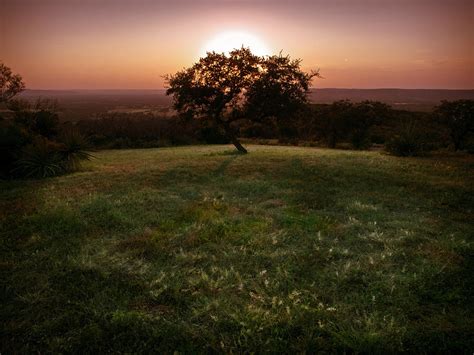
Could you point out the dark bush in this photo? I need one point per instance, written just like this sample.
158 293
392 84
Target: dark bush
362 117
13 138
46 123
74 148
211 134
138 130
458 118
361 140
40 159
408 141
34 144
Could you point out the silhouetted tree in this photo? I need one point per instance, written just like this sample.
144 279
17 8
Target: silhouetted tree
239 86
10 84
458 117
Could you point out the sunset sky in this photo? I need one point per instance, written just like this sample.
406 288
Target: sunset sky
119 44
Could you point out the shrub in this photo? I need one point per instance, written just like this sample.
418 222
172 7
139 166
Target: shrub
138 130
211 134
74 149
363 116
458 118
361 140
31 145
409 141
40 160
46 123
12 139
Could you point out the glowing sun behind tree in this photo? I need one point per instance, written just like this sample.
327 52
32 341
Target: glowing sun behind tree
225 42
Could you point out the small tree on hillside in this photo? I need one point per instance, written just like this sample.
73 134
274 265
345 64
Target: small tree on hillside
458 117
10 84
240 86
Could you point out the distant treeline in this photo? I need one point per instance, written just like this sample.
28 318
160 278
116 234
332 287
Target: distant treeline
342 124
142 130
34 142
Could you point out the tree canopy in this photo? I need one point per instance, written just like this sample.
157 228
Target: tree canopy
458 117
239 86
10 84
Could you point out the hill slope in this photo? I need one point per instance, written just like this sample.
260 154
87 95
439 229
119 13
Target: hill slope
198 249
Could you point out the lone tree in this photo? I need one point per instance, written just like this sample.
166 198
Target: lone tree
458 117
239 86
10 84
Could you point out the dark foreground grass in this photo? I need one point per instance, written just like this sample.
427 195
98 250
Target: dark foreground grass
281 250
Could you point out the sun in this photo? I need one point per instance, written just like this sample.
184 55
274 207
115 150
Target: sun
227 41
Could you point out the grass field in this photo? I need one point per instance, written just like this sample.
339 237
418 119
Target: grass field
281 250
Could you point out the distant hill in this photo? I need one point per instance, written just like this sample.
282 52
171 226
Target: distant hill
83 104
409 99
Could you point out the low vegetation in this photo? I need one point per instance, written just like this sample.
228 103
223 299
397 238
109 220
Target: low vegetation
35 144
197 249
221 99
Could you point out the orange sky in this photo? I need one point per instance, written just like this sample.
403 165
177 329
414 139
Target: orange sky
92 44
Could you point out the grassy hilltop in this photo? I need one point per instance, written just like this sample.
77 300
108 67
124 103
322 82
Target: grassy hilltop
283 249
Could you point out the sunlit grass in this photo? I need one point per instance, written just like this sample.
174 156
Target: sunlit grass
283 249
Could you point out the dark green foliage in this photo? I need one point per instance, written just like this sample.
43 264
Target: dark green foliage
46 123
458 118
331 121
13 138
211 134
74 149
137 130
344 120
361 117
409 140
29 144
344 124
35 145
40 118
41 159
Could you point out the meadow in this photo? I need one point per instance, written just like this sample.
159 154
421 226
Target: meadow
199 249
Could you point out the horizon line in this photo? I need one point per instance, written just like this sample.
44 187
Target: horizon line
311 88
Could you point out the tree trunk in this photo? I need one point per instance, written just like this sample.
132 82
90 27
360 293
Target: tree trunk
235 141
237 144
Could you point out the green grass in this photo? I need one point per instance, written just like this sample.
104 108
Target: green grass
198 249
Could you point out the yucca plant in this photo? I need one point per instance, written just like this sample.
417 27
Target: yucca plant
39 160
74 149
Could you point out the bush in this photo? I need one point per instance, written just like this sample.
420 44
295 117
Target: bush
33 144
210 134
12 139
409 141
361 140
138 130
458 118
40 160
73 149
